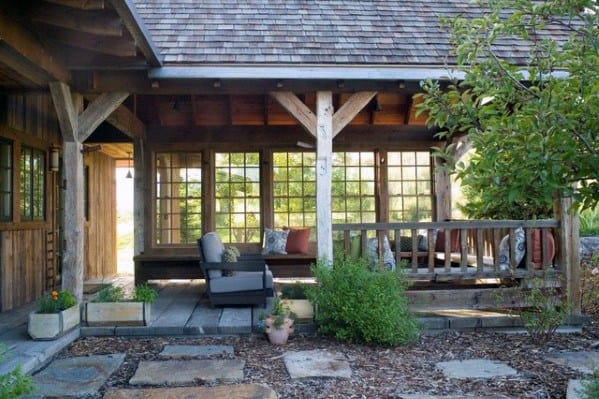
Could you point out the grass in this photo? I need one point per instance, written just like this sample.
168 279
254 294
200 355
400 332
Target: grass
589 222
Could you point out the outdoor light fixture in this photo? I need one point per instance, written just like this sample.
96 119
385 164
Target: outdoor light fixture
54 159
129 175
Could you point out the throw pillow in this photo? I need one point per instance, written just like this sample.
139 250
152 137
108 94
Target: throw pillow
275 241
423 239
504 249
537 248
405 244
373 253
298 240
454 241
230 255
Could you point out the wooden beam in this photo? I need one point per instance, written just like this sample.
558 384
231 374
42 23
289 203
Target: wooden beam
140 194
115 46
124 120
350 109
103 23
80 4
65 109
24 71
27 45
297 109
98 111
324 167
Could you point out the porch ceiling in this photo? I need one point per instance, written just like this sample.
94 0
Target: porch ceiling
44 41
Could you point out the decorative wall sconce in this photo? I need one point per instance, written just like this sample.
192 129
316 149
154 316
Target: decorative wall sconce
54 159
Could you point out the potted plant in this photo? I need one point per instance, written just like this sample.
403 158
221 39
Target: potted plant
57 313
278 324
111 308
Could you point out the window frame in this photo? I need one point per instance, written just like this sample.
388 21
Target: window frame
28 189
7 191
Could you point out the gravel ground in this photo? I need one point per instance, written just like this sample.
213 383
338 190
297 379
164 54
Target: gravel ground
377 372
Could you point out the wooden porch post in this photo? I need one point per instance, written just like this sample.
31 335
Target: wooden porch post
325 125
75 128
324 160
569 242
139 197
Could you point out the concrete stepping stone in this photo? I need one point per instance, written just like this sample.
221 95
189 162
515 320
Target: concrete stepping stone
77 376
241 391
427 396
316 363
179 351
174 372
575 390
476 368
585 362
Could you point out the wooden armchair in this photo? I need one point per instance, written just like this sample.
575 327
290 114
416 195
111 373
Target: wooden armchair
248 281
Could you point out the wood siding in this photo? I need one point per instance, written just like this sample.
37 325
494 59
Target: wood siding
100 228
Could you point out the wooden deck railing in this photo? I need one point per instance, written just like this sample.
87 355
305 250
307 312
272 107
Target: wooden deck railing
472 252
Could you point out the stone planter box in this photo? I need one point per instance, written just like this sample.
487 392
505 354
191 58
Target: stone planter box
49 326
301 307
116 314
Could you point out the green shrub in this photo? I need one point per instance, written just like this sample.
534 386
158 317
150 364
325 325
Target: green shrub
55 301
590 388
357 304
110 293
14 383
143 293
296 290
545 311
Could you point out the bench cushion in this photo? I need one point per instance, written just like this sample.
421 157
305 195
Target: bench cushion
212 251
241 281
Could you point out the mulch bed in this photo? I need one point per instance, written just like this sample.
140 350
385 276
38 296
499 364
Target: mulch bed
377 372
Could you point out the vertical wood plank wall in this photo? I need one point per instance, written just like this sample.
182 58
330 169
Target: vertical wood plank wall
30 120
100 229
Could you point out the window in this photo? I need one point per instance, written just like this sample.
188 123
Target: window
178 197
237 195
33 175
5 181
294 189
353 187
410 192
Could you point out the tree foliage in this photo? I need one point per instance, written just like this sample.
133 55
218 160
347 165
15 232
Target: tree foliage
531 112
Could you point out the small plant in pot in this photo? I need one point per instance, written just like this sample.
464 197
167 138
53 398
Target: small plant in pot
57 313
278 324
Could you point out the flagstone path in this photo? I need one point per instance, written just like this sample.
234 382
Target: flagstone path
189 364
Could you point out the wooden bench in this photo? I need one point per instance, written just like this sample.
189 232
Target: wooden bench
187 266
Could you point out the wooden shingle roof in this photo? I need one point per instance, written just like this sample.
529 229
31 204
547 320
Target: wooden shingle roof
302 31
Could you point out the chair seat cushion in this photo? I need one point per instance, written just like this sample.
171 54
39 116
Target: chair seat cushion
241 281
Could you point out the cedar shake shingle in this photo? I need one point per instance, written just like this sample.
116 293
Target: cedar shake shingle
308 31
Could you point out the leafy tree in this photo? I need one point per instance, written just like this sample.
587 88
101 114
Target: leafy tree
530 113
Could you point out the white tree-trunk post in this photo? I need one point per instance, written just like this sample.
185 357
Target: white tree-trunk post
324 160
324 126
75 127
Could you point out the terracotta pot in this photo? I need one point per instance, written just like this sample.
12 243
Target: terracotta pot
278 335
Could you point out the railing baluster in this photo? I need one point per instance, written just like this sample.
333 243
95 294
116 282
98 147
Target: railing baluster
463 250
431 250
414 250
480 265
529 248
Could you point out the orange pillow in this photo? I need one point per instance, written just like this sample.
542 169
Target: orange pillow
297 241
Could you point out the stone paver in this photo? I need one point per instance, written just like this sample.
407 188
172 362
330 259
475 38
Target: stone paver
427 396
179 351
316 363
77 376
242 391
585 362
476 368
574 390
173 372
